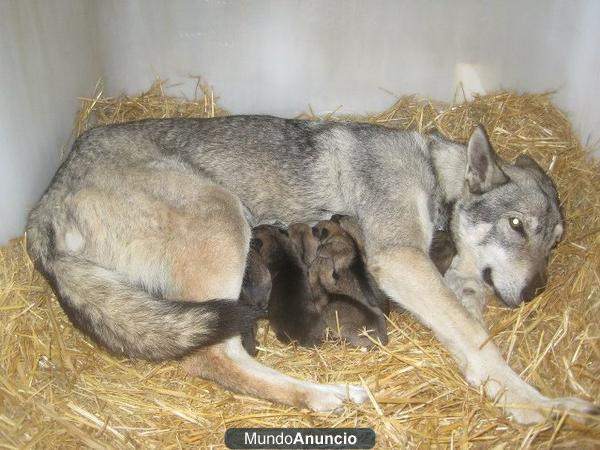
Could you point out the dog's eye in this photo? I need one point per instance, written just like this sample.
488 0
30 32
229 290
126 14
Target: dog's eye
335 275
517 225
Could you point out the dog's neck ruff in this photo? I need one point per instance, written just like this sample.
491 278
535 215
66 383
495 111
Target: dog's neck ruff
449 161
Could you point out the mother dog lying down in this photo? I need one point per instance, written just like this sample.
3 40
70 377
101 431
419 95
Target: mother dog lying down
145 229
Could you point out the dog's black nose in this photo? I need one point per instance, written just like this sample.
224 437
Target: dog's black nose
535 287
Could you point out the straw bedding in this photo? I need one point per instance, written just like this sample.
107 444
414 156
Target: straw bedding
58 390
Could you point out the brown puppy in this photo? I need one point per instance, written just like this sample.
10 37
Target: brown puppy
341 269
300 308
353 301
339 282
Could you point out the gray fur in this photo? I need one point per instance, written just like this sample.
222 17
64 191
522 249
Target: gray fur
128 194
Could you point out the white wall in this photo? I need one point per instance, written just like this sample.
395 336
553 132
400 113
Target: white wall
46 62
277 56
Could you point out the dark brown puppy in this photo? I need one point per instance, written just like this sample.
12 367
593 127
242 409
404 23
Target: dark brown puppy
256 290
292 312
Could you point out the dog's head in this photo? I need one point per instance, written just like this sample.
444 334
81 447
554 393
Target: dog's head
507 221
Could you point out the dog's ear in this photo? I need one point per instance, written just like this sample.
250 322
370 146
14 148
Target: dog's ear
483 172
527 162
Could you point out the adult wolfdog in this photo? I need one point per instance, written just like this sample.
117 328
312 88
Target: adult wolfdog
145 228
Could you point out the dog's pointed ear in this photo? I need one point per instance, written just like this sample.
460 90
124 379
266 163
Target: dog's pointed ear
483 172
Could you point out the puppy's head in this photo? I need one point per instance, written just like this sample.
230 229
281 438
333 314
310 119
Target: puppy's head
274 246
337 254
256 287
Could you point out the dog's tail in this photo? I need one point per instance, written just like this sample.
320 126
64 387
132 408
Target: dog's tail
127 319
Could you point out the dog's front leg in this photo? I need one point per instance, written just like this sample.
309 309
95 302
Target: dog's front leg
409 277
469 290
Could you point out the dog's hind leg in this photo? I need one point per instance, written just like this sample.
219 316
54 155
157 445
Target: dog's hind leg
230 365
227 363
409 277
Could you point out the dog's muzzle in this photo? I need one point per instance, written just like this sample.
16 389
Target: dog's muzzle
534 287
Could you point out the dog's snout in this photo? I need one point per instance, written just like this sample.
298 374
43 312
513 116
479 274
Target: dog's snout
535 287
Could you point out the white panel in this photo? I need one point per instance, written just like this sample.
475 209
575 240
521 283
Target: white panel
277 56
46 62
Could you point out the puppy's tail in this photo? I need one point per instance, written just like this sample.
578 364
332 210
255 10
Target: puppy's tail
127 319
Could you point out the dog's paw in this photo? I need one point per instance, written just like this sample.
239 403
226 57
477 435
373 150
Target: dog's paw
356 394
526 416
553 407
575 405
331 398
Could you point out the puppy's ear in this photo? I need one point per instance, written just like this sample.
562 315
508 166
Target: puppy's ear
320 232
256 244
483 172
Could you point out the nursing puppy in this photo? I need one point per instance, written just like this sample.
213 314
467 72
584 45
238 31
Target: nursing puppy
338 272
299 308
340 285
292 313
256 290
